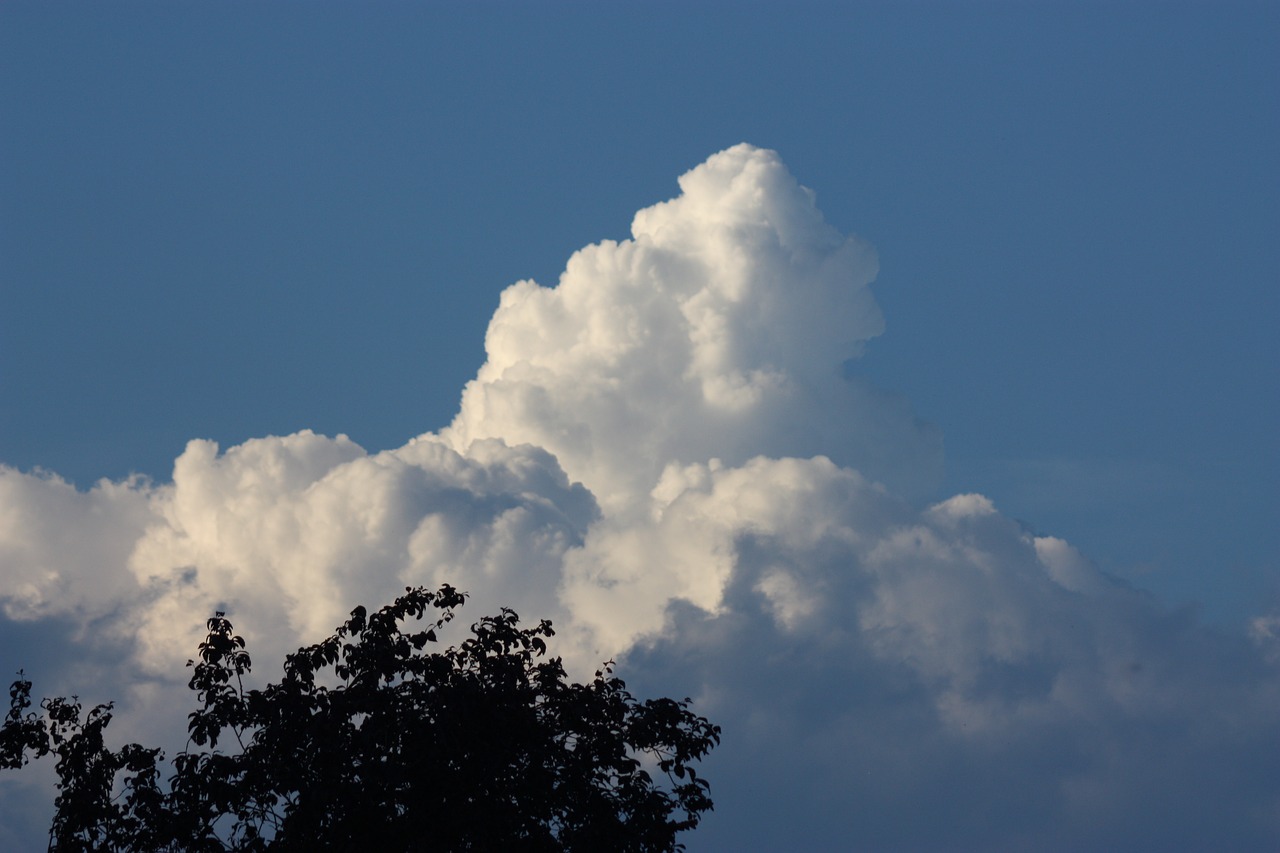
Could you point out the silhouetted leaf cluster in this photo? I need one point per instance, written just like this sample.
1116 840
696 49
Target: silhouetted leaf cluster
369 741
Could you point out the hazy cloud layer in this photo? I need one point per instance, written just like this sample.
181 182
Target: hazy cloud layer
664 455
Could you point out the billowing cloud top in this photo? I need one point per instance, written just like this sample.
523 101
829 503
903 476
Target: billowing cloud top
718 331
664 454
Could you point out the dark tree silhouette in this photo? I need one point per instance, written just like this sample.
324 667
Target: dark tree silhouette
371 742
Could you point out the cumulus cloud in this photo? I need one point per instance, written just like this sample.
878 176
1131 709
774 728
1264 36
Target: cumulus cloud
664 454
718 331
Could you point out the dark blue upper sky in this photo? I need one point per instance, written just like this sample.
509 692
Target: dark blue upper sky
231 220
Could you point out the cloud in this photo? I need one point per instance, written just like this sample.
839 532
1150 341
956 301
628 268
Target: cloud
59 546
718 331
665 454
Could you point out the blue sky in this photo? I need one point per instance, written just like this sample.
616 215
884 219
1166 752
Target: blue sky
230 221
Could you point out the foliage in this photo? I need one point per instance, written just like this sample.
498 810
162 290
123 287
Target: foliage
370 742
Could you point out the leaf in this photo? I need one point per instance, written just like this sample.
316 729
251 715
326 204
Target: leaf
369 738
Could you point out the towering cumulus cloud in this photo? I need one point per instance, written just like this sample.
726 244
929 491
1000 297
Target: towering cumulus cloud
718 331
665 454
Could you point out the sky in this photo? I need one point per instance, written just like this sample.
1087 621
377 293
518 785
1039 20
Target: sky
897 380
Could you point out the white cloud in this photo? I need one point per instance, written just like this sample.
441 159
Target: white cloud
663 455
62 550
291 532
719 331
